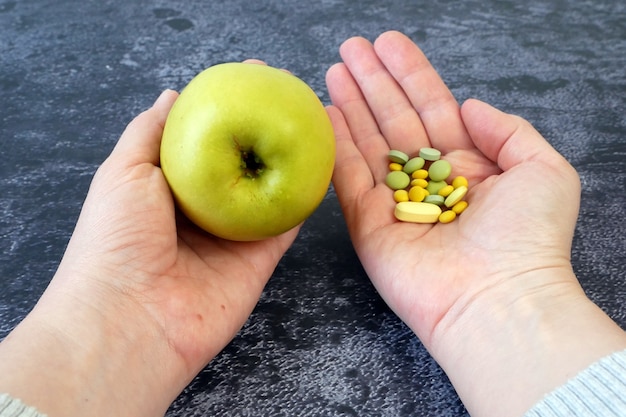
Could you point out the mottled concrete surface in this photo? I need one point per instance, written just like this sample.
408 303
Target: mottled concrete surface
321 342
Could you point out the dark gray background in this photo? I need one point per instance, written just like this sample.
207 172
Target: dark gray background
321 342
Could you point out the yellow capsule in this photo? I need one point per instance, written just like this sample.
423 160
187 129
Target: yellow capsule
400 195
419 182
394 166
415 212
447 216
460 207
456 196
420 174
445 191
459 182
417 194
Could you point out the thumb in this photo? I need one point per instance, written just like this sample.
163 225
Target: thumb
515 145
504 138
141 140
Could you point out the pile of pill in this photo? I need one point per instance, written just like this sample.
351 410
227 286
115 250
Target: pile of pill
421 189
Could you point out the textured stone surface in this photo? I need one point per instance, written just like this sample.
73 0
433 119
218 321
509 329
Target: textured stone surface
321 342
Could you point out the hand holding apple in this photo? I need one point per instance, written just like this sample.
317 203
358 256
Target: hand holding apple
248 151
142 299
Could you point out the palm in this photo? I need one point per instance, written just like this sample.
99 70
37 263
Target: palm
390 97
195 289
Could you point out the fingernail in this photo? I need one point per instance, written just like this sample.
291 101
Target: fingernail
163 98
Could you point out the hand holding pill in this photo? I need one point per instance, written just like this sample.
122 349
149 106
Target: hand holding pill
391 107
445 276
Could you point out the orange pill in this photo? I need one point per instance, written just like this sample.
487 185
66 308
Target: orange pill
460 207
417 194
445 191
400 195
460 181
421 174
419 182
394 166
447 216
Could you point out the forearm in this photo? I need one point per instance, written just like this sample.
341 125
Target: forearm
71 360
505 354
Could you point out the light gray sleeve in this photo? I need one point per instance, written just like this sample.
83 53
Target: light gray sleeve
598 391
12 407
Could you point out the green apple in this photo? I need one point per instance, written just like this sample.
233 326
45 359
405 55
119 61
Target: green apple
248 151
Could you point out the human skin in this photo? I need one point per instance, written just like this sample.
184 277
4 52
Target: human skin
141 301
492 295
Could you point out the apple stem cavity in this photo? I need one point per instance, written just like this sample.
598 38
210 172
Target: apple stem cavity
251 164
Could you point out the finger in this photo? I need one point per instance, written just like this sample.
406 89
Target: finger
259 62
351 175
505 139
141 140
396 118
254 61
365 206
361 127
437 108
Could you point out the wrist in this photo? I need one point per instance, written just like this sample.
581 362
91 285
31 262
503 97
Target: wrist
88 366
519 341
